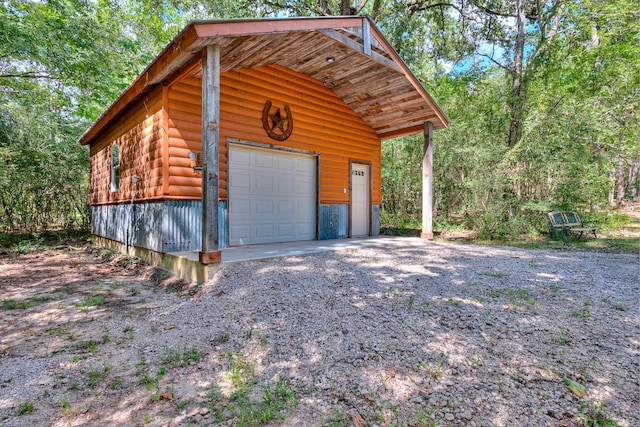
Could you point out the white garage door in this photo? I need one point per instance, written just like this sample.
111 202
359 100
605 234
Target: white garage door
271 196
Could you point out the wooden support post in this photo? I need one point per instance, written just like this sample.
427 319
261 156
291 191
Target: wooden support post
427 183
210 143
366 37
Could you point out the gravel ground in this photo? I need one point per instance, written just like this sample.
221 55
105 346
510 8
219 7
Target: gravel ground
425 334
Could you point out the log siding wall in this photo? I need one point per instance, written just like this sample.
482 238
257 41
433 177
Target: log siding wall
323 123
140 137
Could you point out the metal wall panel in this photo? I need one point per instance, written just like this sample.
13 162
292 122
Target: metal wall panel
182 225
375 220
334 221
135 225
169 226
222 225
146 228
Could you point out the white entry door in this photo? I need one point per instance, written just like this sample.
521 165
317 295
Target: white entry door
359 199
271 196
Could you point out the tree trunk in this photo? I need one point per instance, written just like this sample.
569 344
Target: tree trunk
633 181
621 182
518 85
324 7
375 13
612 189
345 7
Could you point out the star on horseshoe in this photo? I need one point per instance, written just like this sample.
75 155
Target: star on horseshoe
274 123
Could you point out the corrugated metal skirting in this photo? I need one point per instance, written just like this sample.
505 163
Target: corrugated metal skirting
182 227
135 225
334 221
169 226
375 220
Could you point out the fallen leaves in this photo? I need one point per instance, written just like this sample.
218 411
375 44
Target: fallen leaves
575 388
357 420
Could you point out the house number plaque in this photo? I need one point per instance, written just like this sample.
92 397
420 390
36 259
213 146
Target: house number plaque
277 125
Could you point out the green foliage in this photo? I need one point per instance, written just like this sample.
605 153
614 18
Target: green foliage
91 301
25 407
592 415
95 375
62 62
580 124
188 355
607 219
337 419
401 181
25 302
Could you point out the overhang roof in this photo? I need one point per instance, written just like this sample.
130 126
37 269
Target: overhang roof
348 54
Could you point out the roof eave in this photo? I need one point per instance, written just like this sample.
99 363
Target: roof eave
410 76
144 81
186 43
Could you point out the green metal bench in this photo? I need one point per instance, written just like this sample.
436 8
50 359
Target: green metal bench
565 223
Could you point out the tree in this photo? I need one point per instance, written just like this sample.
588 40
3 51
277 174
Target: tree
61 63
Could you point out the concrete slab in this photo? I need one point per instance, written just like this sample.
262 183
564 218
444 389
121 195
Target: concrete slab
275 250
187 264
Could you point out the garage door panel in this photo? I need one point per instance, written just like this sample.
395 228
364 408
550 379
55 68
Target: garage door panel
241 207
304 209
303 164
263 160
241 231
286 163
286 230
279 205
240 182
302 186
263 184
285 185
264 207
241 157
305 228
264 231
284 207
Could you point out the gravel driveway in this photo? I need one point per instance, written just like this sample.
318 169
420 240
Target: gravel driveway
425 334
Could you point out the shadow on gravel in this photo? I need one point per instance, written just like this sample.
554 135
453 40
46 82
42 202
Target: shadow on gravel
427 335
457 334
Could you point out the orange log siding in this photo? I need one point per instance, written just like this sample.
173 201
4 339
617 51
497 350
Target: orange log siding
155 143
322 123
185 135
140 135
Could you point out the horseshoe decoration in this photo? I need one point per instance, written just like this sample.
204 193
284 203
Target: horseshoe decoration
277 125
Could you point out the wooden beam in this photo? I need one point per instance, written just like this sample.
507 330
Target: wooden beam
339 37
380 38
238 27
427 183
366 37
210 144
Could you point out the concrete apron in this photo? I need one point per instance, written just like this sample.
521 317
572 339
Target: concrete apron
276 250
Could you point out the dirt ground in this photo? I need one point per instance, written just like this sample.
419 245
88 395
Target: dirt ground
56 303
446 335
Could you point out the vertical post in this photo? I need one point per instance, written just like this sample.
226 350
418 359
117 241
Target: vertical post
366 36
210 143
427 183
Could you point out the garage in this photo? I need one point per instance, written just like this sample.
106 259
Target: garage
272 195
